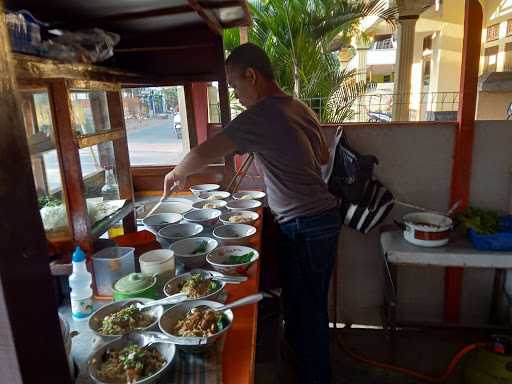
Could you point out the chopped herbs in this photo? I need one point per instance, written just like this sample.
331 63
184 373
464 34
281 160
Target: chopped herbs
198 286
242 259
130 364
202 248
124 321
47 201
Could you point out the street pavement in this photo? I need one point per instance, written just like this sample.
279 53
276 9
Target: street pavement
155 144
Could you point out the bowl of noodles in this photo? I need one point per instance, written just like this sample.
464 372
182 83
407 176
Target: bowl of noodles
197 285
121 317
194 327
123 360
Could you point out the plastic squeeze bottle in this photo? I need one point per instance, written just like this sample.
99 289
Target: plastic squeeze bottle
80 284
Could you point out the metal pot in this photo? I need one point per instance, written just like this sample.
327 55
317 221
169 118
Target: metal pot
427 229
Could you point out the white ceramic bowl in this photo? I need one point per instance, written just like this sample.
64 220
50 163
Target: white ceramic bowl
197 189
206 217
243 205
249 195
192 344
209 204
185 251
214 195
234 234
218 259
173 286
156 222
249 217
175 232
181 206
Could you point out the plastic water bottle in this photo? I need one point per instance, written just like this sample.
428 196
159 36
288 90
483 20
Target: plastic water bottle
80 284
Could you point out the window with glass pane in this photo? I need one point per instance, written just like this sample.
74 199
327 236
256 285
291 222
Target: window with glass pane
90 112
156 125
100 180
45 162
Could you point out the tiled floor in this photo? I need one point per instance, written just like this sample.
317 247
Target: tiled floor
427 351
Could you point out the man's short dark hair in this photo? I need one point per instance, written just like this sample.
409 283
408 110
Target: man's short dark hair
249 55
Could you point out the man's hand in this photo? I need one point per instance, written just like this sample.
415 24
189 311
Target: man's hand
212 149
173 181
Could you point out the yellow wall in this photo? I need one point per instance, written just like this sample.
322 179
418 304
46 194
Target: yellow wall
447 27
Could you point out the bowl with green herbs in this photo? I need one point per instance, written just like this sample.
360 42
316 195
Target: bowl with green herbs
192 251
120 317
195 326
232 259
197 285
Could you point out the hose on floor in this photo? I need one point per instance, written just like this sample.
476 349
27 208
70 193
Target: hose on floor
418 375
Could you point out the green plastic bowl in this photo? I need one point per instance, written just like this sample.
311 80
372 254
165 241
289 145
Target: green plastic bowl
135 285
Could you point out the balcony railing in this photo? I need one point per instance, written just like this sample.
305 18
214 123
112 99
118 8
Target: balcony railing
424 106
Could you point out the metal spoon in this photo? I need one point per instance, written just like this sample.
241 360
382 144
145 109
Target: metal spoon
173 299
219 276
251 299
145 339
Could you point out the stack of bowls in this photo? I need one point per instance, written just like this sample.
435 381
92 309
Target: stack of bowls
156 222
174 232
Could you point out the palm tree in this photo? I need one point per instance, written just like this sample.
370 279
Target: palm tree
298 37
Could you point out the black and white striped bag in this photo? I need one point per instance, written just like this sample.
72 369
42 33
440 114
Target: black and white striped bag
364 201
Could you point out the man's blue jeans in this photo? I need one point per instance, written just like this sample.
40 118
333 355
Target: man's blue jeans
306 257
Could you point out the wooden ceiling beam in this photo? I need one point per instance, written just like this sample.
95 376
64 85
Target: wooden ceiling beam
212 22
169 11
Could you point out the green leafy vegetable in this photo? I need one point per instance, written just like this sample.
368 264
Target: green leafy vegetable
222 322
242 259
203 246
213 286
47 201
482 221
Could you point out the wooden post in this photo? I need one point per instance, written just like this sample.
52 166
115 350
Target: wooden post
124 176
199 92
191 115
31 346
464 136
69 159
225 113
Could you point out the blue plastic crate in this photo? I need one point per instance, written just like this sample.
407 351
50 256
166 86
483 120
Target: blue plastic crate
500 241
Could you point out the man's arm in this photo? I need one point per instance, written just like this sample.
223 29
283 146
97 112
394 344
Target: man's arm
212 149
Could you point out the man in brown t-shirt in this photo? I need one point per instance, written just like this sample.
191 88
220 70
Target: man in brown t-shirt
289 149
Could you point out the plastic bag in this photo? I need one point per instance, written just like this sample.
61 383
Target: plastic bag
88 46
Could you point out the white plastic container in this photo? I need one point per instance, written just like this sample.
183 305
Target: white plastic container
80 285
159 262
109 265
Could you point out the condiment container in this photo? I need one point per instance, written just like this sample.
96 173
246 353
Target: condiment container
135 285
80 284
109 265
159 262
